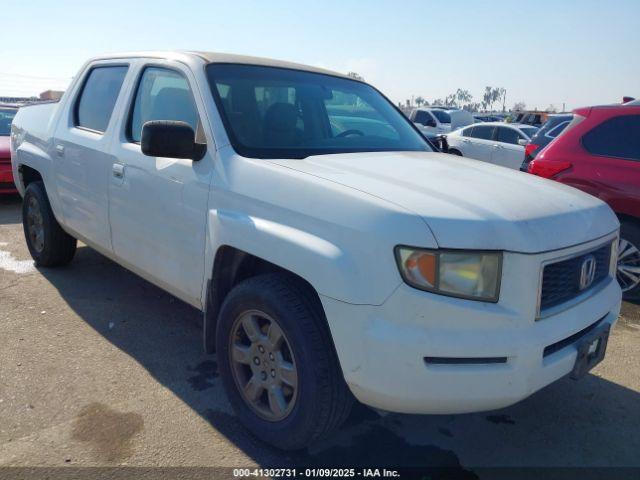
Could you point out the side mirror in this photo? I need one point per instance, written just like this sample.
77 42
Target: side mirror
523 142
430 123
171 139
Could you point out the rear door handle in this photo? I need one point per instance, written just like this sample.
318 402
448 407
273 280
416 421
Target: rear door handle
118 170
60 150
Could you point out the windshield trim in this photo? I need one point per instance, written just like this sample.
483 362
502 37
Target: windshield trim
279 153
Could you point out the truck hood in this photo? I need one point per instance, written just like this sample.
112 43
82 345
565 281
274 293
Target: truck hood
470 204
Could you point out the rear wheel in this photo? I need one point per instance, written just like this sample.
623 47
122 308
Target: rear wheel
48 244
278 363
628 273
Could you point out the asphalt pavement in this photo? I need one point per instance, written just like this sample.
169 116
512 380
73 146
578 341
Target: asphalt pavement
100 368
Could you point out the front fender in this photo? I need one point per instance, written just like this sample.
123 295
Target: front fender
337 271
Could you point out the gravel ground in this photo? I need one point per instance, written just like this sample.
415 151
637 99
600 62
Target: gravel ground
100 368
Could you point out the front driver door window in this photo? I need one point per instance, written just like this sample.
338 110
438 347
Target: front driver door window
162 95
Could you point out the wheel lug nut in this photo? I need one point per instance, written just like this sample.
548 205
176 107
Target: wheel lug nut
256 360
271 357
264 375
261 349
273 373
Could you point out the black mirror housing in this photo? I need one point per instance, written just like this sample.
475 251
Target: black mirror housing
171 139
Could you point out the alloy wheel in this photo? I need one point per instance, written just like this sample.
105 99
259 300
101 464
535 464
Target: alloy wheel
263 365
628 272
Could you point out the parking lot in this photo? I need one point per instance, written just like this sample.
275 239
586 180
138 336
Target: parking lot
99 367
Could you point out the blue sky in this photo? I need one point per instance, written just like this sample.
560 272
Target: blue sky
543 52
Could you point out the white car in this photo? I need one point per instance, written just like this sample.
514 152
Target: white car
492 142
431 121
333 254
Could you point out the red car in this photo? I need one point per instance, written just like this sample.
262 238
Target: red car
599 153
6 176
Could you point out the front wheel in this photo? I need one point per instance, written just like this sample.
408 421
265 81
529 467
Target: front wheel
48 244
628 272
278 363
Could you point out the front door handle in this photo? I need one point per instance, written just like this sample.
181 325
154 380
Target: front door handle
118 170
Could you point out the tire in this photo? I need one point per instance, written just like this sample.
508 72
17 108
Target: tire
629 244
453 151
322 399
48 244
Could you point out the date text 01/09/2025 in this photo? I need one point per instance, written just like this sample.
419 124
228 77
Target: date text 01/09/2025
315 472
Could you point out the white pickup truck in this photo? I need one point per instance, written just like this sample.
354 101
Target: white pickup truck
333 253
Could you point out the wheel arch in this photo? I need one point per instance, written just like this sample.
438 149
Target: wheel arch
28 175
624 218
231 266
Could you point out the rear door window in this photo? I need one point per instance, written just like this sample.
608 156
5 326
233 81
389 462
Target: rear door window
617 137
508 135
98 97
557 130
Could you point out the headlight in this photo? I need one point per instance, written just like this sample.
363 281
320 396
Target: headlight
457 273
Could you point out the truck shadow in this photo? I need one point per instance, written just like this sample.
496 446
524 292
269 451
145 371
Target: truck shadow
164 336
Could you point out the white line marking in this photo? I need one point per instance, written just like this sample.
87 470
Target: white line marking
7 262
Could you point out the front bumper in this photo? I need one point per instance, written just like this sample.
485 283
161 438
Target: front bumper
382 349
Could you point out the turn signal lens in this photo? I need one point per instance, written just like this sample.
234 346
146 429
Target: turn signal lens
421 268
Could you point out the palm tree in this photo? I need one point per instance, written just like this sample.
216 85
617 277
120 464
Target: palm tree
486 97
463 96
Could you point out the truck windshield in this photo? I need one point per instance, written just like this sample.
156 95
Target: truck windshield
6 117
281 113
442 116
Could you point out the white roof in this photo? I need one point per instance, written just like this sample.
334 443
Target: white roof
216 57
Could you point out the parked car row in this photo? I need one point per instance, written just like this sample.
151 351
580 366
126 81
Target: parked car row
493 142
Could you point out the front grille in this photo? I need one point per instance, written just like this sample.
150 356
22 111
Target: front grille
561 280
